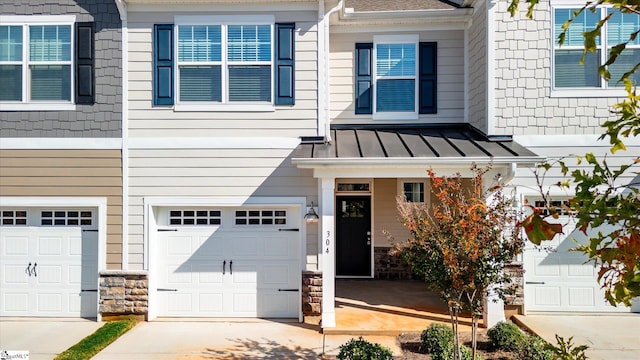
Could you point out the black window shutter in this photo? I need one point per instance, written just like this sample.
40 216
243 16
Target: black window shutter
85 63
428 78
285 64
364 79
163 64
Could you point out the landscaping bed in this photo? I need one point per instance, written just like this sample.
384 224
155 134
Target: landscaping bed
411 347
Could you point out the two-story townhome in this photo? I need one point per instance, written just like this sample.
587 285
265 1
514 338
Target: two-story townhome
264 144
60 155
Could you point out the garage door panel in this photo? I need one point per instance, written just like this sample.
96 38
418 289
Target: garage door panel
50 274
75 275
546 265
211 302
50 302
180 274
15 246
581 270
581 297
547 296
244 304
49 246
75 246
14 274
244 274
245 245
277 304
16 302
209 273
180 302
276 275
179 245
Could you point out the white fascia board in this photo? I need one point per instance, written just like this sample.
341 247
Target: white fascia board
590 140
404 161
401 172
214 143
454 19
60 143
226 19
40 19
229 7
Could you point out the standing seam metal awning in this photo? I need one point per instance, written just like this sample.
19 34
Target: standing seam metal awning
438 143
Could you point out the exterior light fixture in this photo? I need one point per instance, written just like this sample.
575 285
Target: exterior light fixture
311 216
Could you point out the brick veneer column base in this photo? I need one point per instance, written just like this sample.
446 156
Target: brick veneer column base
123 293
311 293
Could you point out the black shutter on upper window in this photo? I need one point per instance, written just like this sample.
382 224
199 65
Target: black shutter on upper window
163 92
363 79
85 63
428 78
285 64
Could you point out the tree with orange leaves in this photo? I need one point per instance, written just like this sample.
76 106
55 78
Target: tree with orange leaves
461 244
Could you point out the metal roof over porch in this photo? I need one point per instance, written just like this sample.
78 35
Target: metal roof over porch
450 143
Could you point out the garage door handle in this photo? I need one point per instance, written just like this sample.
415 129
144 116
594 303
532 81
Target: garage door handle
231 267
167 289
534 282
224 267
28 270
288 229
90 290
33 271
167 229
89 230
288 290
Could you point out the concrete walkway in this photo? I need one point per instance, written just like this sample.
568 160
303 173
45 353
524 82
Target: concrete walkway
43 338
250 339
608 336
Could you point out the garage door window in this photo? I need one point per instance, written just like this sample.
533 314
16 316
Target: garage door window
13 217
194 217
66 218
261 217
558 207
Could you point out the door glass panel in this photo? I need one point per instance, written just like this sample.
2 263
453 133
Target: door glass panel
352 209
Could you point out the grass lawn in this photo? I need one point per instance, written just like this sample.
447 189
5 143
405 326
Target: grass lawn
101 338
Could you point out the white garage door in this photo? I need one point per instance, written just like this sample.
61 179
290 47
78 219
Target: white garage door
49 262
557 279
219 262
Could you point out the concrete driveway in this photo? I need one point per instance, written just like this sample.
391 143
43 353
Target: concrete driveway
239 339
608 336
43 338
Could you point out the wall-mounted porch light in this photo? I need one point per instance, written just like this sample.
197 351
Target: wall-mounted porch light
311 216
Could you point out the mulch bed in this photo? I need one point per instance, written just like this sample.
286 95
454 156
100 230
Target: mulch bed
410 344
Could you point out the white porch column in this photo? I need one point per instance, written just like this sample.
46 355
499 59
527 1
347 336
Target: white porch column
327 249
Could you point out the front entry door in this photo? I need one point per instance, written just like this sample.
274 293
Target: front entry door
353 230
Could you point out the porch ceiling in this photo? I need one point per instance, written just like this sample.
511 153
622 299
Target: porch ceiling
441 144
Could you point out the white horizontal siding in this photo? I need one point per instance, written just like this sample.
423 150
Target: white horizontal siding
450 77
145 120
213 172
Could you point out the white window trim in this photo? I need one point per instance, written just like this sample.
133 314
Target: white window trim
395 39
427 188
225 105
26 104
604 90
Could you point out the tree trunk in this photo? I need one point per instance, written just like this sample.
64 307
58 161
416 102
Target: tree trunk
453 311
474 336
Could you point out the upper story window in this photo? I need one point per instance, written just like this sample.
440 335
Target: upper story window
222 61
43 59
395 77
568 73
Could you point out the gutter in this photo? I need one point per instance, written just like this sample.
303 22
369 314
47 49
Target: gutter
395 162
324 110
122 9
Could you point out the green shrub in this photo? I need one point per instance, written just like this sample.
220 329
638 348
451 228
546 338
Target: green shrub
361 349
533 348
505 336
566 350
465 353
436 338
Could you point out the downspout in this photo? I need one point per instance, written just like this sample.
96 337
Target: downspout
491 66
324 122
122 9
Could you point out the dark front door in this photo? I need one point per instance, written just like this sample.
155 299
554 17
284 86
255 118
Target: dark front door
353 230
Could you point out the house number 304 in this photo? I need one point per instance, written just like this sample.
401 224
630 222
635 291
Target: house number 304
327 241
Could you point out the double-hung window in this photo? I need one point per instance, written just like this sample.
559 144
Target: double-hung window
568 74
221 61
41 59
395 77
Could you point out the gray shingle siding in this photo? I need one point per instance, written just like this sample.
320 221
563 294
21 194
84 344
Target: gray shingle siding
103 119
